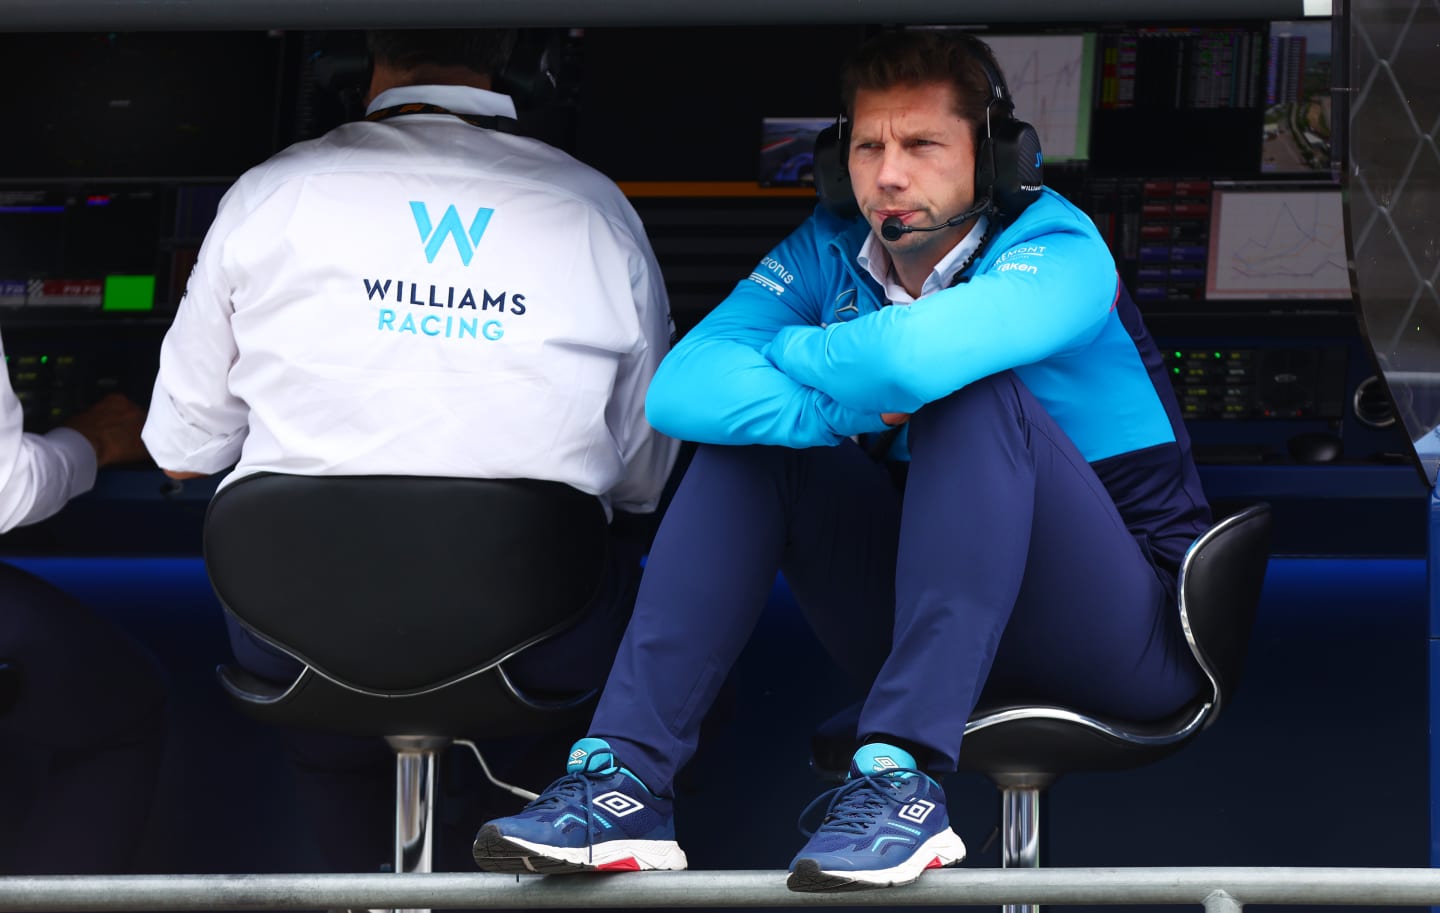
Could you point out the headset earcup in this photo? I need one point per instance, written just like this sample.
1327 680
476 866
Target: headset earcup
530 75
984 167
1019 166
832 177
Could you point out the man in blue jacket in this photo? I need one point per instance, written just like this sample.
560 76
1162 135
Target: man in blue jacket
971 323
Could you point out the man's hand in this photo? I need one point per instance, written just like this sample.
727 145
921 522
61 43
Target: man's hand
112 426
894 419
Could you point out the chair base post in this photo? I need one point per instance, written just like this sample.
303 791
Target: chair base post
417 761
1020 827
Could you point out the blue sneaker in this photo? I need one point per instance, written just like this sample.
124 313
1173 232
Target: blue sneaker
599 817
886 826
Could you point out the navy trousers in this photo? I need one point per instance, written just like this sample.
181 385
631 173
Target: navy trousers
1003 567
80 749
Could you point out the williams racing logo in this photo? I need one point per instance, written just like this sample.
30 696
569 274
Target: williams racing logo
433 236
423 307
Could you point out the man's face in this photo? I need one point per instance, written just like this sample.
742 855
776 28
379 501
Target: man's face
912 157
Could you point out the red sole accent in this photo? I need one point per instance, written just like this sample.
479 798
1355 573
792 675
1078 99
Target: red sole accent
625 865
935 864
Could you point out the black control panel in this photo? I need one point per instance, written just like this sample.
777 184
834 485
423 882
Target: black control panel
58 371
51 388
1258 384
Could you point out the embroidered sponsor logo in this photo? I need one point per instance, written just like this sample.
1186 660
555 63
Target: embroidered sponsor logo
767 282
1009 260
1028 250
1021 267
773 275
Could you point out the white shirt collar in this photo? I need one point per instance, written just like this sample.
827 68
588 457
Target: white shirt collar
875 260
460 99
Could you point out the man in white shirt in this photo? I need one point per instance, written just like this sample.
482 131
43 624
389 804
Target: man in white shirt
82 721
426 292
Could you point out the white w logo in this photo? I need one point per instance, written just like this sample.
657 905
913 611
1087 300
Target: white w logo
450 227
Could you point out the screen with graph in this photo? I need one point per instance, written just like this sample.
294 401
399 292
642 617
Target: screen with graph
1050 79
1276 242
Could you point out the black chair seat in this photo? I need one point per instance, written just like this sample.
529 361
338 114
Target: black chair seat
1037 740
1046 740
395 585
402 599
479 704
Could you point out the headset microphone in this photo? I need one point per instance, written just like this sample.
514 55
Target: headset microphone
892 229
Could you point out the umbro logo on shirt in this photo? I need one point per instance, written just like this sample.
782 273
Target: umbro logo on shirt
433 236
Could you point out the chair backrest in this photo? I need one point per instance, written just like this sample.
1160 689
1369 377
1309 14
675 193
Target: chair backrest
1220 582
396 585
9 685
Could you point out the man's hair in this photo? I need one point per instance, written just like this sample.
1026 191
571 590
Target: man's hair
914 57
481 50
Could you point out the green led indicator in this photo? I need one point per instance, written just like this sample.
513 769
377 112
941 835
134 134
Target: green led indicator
129 293
44 359
1218 355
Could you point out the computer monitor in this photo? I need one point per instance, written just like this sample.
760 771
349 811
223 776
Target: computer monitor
1277 242
1177 101
787 150
1051 79
67 250
139 105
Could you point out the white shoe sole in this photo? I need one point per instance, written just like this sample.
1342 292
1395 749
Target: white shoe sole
942 850
495 852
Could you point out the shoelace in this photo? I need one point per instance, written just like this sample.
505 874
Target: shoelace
562 791
855 805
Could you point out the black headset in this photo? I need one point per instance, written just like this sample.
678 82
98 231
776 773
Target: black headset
535 73
1008 162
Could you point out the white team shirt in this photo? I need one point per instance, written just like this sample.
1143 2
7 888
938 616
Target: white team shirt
38 473
419 296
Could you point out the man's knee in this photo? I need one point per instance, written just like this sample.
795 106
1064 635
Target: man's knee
983 407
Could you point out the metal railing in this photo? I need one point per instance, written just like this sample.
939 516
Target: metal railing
1219 890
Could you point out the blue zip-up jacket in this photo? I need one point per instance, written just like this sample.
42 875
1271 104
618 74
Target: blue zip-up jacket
804 353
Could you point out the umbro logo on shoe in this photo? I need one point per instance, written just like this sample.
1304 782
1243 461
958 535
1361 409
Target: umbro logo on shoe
916 811
617 804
